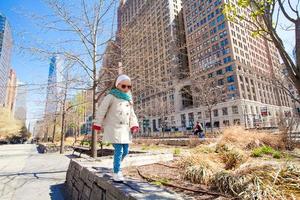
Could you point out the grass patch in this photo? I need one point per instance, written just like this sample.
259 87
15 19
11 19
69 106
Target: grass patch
177 151
266 150
198 174
160 182
85 143
277 155
232 159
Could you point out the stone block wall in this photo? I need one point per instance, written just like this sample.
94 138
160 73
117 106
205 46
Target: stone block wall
86 183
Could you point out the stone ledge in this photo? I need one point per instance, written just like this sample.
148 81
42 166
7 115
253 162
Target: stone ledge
93 180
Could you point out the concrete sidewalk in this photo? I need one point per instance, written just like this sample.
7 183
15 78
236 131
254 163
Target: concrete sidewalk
25 174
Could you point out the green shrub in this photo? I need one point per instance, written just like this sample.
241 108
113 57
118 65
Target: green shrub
265 150
277 155
177 151
257 152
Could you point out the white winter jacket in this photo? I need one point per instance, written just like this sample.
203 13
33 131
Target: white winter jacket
116 116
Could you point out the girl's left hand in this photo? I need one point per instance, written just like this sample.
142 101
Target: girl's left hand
135 129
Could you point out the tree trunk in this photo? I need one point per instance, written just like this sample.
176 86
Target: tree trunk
62 139
94 134
46 134
75 132
297 53
210 119
54 129
293 70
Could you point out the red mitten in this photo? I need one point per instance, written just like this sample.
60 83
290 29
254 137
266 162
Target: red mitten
135 129
96 127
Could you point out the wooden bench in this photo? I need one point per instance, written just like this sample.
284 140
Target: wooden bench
82 149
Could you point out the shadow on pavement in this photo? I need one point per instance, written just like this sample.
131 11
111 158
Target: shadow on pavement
57 192
35 174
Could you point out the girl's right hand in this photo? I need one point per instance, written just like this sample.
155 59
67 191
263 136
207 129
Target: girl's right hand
135 129
96 127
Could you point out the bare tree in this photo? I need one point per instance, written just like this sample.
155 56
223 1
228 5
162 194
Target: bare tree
85 24
206 92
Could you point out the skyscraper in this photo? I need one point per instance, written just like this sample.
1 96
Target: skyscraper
53 87
11 90
153 54
5 56
242 65
20 112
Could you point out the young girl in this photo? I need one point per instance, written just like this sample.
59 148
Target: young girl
117 118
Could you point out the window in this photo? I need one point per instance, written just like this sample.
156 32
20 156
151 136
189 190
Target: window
230 79
199 115
220 18
236 122
226 123
220 72
231 88
217 124
207 114
224 42
223 34
229 68
225 111
226 51
216 113
221 82
221 26
227 59
235 110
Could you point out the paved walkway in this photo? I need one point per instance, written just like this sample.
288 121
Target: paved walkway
27 175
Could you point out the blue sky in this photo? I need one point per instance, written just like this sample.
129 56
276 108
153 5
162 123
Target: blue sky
30 68
33 70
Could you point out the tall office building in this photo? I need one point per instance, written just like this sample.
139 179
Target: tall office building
55 78
154 55
5 56
242 65
164 44
111 65
20 112
11 90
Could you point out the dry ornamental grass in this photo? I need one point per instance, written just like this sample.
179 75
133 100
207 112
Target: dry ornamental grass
228 168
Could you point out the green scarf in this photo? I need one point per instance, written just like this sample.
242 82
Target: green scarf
121 95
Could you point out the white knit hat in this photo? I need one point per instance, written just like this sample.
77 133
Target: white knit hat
121 78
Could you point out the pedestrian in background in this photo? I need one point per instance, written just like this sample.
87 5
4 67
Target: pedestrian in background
198 130
117 119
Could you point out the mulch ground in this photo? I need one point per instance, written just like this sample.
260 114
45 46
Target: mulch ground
169 173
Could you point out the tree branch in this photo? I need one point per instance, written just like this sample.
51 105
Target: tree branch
280 2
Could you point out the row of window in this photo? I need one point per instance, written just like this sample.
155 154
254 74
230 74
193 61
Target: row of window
216 112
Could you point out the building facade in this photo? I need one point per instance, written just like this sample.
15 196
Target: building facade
5 56
20 112
167 45
242 65
11 90
154 56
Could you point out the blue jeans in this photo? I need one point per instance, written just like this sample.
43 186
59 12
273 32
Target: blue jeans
121 150
201 134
